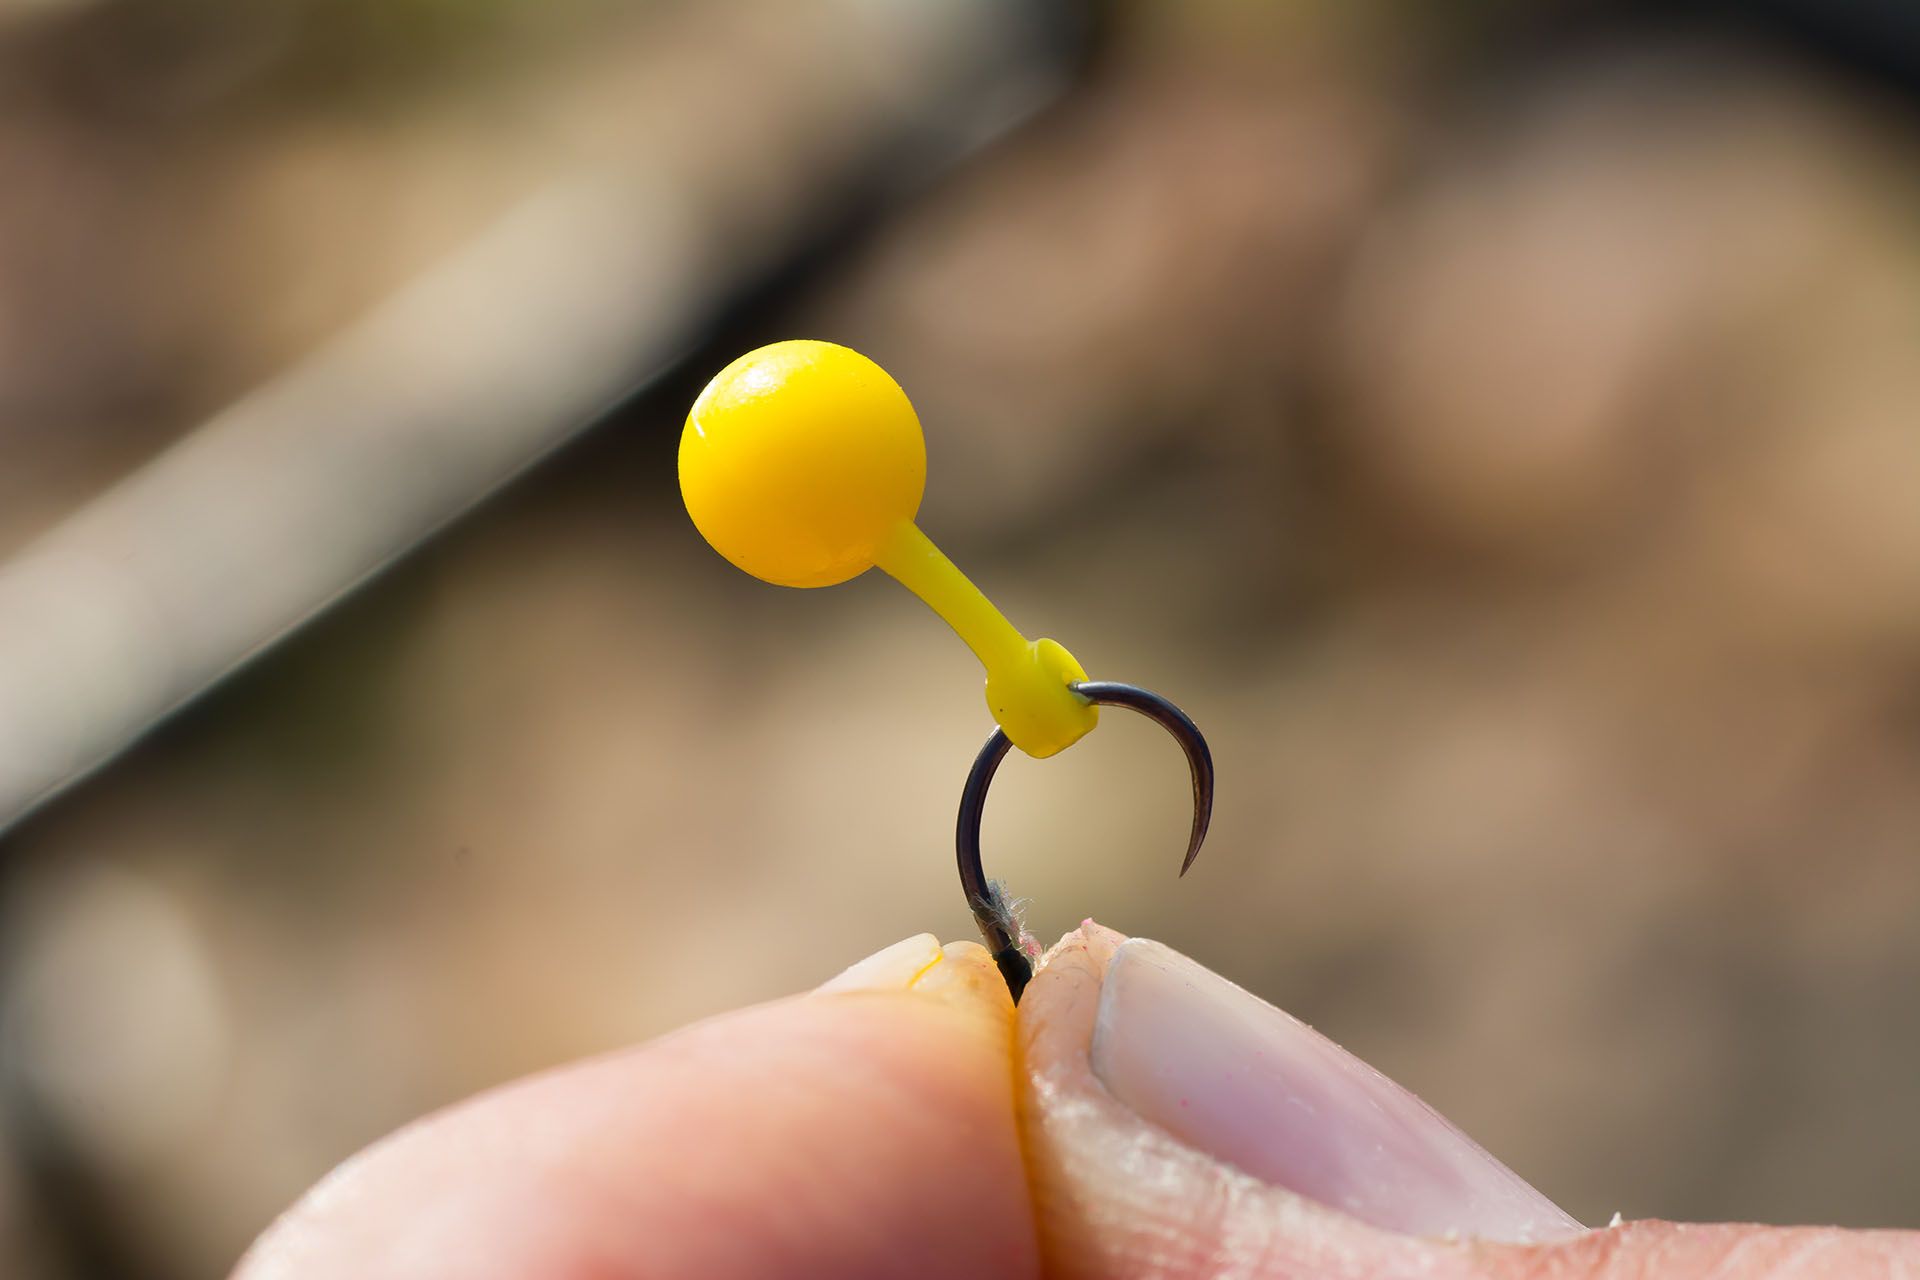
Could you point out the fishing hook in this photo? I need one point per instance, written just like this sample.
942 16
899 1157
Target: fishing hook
803 463
987 899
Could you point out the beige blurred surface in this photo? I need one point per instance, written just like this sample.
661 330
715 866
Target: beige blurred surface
1518 486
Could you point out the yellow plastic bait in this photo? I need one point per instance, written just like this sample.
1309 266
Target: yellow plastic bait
803 464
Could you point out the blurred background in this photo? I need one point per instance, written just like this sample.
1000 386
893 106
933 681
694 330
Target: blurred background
1497 424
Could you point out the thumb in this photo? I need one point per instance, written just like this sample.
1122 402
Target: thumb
1178 1126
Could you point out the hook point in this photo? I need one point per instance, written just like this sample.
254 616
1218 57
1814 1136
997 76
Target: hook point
1184 731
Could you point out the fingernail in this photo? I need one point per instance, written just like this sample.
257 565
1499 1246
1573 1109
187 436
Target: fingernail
960 973
891 968
1227 1073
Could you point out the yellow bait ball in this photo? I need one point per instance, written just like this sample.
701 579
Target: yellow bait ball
803 463
800 460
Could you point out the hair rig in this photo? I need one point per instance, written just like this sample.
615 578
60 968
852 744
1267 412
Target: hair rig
803 463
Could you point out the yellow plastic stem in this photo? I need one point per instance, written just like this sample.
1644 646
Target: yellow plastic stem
1028 681
922 568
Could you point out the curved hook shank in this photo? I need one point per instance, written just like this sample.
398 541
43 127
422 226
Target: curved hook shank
987 900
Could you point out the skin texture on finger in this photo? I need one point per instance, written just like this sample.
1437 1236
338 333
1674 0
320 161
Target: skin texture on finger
861 1130
1712 1251
1119 1196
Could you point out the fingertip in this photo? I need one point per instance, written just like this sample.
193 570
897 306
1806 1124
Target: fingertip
960 976
1121 1192
1090 945
966 977
863 1130
891 968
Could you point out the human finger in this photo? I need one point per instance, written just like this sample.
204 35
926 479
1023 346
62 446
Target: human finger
862 1130
1178 1126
